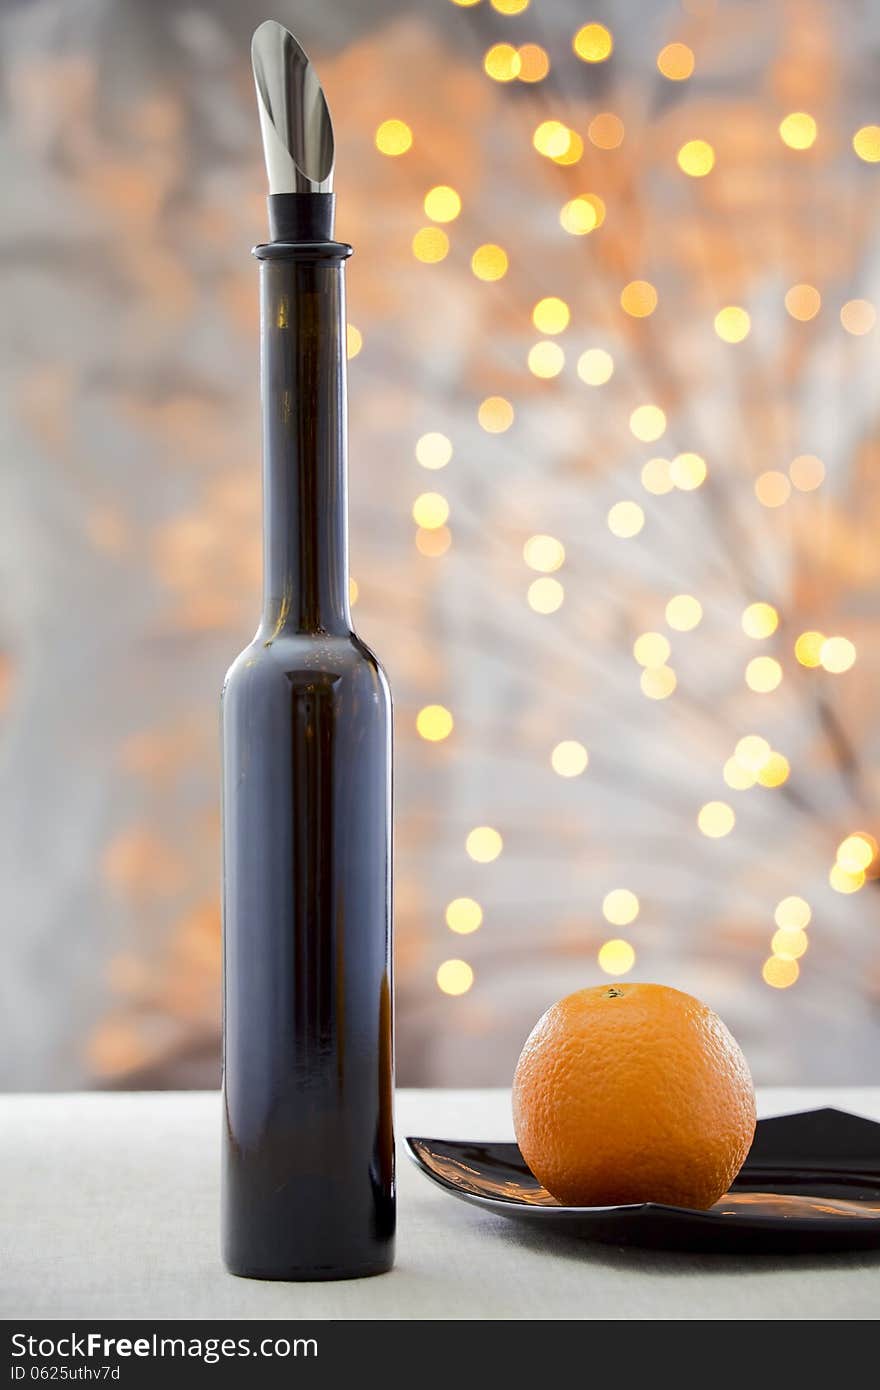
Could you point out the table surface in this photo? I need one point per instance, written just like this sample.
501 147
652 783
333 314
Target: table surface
109 1203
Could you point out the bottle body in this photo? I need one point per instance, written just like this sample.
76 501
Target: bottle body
308 1146
308 1156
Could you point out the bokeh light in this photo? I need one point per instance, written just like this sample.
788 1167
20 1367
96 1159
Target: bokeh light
434 723
688 471
544 553
647 422
638 299
546 359
595 366
579 216
651 649
656 476
455 977
737 777
759 620
658 682
789 945
593 43
803 302
808 648
442 203
433 542
489 262
732 324
596 203
502 62
858 316
752 752
807 472
696 158
551 315
842 881
716 819
509 6
837 654
464 915
484 844
552 139
684 612
676 62
616 957
569 758
534 62
793 913
354 341
430 245
620 907
866 143
394 137
776 771
779 973
798 130
625 519
573 152
495 414
763 674
433 450
606 131
545 595
430 510
354 591
856 852
772 488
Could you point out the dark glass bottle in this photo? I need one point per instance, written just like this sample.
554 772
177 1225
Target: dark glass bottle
308 1158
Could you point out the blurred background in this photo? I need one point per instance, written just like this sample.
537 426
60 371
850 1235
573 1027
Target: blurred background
615 501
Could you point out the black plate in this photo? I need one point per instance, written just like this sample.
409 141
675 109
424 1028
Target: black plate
810 1182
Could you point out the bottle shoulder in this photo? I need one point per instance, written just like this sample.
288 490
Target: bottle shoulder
294 654
368 656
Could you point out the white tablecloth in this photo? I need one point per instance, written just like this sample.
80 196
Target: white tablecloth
109 1209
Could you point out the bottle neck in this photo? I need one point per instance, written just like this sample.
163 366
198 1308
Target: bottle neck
305 505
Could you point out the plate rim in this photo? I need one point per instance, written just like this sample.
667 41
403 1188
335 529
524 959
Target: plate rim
505 1206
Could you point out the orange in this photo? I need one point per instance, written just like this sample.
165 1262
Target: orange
633 1093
